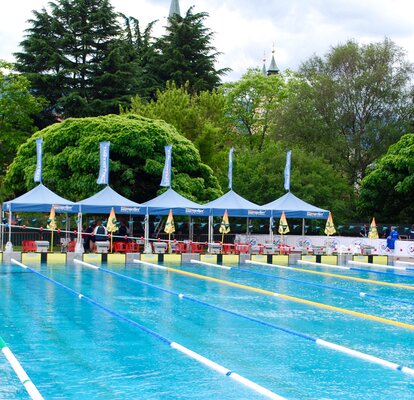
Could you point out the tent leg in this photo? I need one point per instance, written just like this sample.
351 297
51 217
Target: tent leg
210 232
2 231
247 230
191 229
146 233
131 225
271 229
303 232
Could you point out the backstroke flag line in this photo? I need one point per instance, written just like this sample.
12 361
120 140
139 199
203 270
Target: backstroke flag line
329 227
104 164
231 168
38 171
283 225
287 170
166 173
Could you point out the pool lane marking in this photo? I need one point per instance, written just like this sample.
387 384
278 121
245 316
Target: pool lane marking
182 349
379 265
350 278
404 262
321 342
371 271
350 291
20 372
283 296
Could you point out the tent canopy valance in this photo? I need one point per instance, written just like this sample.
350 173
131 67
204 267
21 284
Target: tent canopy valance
40 199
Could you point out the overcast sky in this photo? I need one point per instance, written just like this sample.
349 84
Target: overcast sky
246 29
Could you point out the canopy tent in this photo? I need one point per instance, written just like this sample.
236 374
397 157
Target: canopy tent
103 201
40 199
236 206
180 205
295 208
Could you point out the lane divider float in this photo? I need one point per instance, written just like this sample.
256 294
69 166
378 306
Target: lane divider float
282 296
182 349
350 291
324 343
350 278
20 372
352 262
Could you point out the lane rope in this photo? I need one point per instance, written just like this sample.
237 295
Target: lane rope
330 345
182 349
371 271
352 262
404 262
350 291
283 296
20 372
350 278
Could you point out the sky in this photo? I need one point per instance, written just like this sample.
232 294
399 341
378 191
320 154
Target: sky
246 31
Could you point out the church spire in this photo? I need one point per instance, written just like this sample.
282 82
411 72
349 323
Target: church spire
264 64
273 69
174 8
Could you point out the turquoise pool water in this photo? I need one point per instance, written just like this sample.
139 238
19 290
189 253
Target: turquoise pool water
74 350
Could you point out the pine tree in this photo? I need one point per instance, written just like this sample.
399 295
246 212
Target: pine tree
186 53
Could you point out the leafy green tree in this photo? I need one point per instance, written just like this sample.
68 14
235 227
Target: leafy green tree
199 117
74 57
387 191
17 106
186 53
251 102
259 176
350 105
71 159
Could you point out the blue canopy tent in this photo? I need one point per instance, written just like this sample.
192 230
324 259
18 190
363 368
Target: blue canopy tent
295 208
236 206
39 199
171 200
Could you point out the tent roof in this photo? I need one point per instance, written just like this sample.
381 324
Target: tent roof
236 206
295 208
40 199
103 201
173 200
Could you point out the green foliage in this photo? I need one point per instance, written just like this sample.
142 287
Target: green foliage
71 159
259 176
17 106
350 105
387 191
251 102
186 53
199 117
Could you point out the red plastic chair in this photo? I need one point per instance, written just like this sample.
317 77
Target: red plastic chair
242 248
228 248
71 246
28 246
119 247
179 247
197 248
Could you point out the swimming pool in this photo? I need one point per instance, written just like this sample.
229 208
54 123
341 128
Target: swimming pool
74 350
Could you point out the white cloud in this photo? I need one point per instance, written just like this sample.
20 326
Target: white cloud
244 29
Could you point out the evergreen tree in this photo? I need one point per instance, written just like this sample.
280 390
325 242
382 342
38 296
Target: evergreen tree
74 58
186 53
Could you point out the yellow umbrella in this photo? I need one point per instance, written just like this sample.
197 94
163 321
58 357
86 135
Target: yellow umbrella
52 224
283 228
169 227
111 224
329 227
224 226
373 231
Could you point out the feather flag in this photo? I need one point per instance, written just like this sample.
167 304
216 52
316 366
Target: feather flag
329 227
373 231
169 225
283 225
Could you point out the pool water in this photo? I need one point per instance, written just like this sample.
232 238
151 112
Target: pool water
74 350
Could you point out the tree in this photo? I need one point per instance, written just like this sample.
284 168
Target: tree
17 106
74 57
251 102
71 159
388 188
186 53
351 105
199 117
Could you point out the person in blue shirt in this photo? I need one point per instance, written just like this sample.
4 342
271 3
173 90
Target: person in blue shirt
393 236
411 233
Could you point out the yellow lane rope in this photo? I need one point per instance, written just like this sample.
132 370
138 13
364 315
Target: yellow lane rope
283 296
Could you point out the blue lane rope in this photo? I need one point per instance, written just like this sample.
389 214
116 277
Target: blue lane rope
350 291
371 271
182 349
332 346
